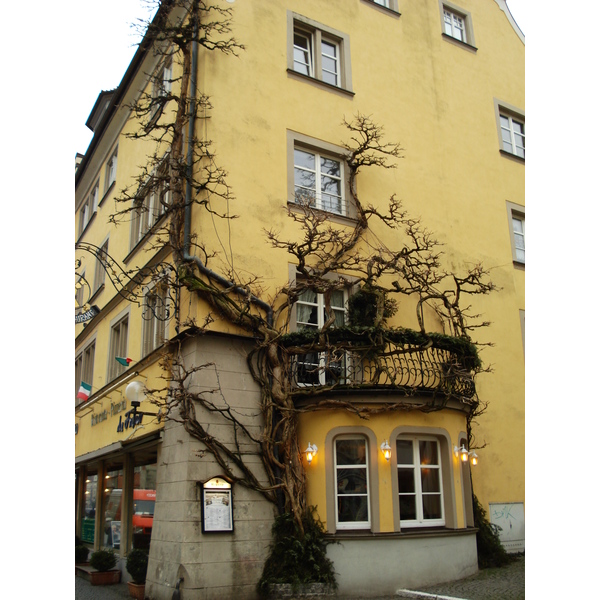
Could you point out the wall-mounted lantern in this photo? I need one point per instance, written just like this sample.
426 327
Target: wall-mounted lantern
386 449
464 454
310 452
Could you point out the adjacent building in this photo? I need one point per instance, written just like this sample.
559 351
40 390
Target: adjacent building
446 81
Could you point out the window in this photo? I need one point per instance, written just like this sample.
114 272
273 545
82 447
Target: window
100 274
317 175
80 286
161 88
111 170
516 219
454 26
318 181
319 368
154 318
352 483
152 205
88 208
385 3
84 368
510 125
118 348
318 52
420 488
513 135
456 23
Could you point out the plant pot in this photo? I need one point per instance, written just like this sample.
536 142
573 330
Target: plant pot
136 590
105 577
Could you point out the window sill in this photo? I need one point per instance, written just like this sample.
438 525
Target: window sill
433 532
464 45
96 293
320 83
331 216
513 156
385 9
518 264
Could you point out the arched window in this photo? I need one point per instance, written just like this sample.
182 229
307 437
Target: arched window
351 460
420 489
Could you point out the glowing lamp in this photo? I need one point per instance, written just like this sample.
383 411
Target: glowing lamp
386 449
310 452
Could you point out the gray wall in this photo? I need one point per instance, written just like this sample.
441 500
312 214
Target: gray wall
214 565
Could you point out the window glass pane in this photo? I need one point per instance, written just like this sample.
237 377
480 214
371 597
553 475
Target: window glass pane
88 523
352 481
517 225
406 480
350 452
305 179
430 480
352 509
404 452
113 489
330 167
304 159
408 508
432 507
144 497
428 452
306 316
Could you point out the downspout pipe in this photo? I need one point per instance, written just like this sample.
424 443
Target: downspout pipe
188 195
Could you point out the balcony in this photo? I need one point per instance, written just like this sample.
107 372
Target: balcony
400 361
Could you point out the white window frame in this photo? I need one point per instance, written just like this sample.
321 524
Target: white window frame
111 170
506 117
516 142
89 207
154 327
457 24
84 367
149 209
118 346
320 199
419 494
365 524
316 34
321 149
321 366
100 272
516 212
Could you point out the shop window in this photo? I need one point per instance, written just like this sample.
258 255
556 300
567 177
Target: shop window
113 500
88 523
144 498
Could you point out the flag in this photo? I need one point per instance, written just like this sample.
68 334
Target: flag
85 389
123 361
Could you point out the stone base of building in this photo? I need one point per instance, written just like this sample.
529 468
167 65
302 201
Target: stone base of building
375 565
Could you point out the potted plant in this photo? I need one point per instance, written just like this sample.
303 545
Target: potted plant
104 561
137 567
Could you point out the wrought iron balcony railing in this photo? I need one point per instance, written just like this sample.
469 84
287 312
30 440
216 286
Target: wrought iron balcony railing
401 360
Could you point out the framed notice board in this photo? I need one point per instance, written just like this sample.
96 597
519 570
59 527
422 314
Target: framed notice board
217 506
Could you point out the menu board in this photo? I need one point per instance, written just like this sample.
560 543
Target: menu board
217 510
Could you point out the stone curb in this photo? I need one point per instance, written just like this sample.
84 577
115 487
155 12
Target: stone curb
424 595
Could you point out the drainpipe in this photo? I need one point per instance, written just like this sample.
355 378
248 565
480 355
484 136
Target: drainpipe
188 197
187 225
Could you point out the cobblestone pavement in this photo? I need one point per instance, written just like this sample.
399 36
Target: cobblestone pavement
503 583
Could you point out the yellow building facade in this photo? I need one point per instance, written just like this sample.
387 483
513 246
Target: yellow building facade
446 81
